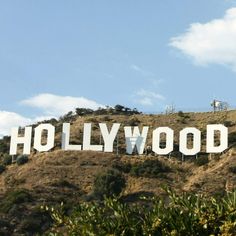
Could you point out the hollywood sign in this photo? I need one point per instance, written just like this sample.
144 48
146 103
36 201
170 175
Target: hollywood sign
133 138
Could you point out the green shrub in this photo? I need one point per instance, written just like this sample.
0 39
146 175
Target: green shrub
83 111
185 214
2 168
14 197
109 183
183 117
22 159
123 167
7 159
180 113
202 160
229 123
4 146
37 221
150 169
64 184
30 225
232 137
69 117
232 169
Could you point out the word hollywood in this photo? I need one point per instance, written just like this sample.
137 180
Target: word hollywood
133 137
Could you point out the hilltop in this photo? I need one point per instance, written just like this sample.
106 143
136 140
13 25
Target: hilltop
68 176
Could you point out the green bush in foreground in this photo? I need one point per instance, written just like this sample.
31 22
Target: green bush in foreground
186 214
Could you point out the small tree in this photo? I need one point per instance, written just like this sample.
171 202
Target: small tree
109 183
83 111
180 113
119 108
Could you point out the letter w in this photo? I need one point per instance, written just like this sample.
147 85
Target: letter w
135 139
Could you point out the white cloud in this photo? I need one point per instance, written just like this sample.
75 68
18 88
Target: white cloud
52 106
55 105
147 98
11 119
211 42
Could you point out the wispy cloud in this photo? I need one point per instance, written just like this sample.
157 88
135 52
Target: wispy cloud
140 70
211 42
156 82
51 104
147 98
136 68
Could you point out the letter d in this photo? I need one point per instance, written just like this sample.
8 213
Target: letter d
211 148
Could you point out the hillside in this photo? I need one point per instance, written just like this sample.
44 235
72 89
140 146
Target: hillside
68 176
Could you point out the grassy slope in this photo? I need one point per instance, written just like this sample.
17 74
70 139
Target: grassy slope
80 167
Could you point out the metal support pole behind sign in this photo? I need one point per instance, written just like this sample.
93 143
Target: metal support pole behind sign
117 143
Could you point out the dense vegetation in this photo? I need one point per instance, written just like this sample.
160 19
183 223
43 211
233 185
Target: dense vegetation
116 110
12 198
108 183
150 169
185 214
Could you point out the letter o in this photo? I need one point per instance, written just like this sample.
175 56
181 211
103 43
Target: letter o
169 140
50 137
196 141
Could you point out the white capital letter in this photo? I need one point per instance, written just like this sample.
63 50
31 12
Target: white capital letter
196 141
169 140
65 143
87 139
211 148
135 139
15 140
109 137
50 137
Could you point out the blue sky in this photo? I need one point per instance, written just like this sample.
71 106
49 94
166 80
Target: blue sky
56 55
